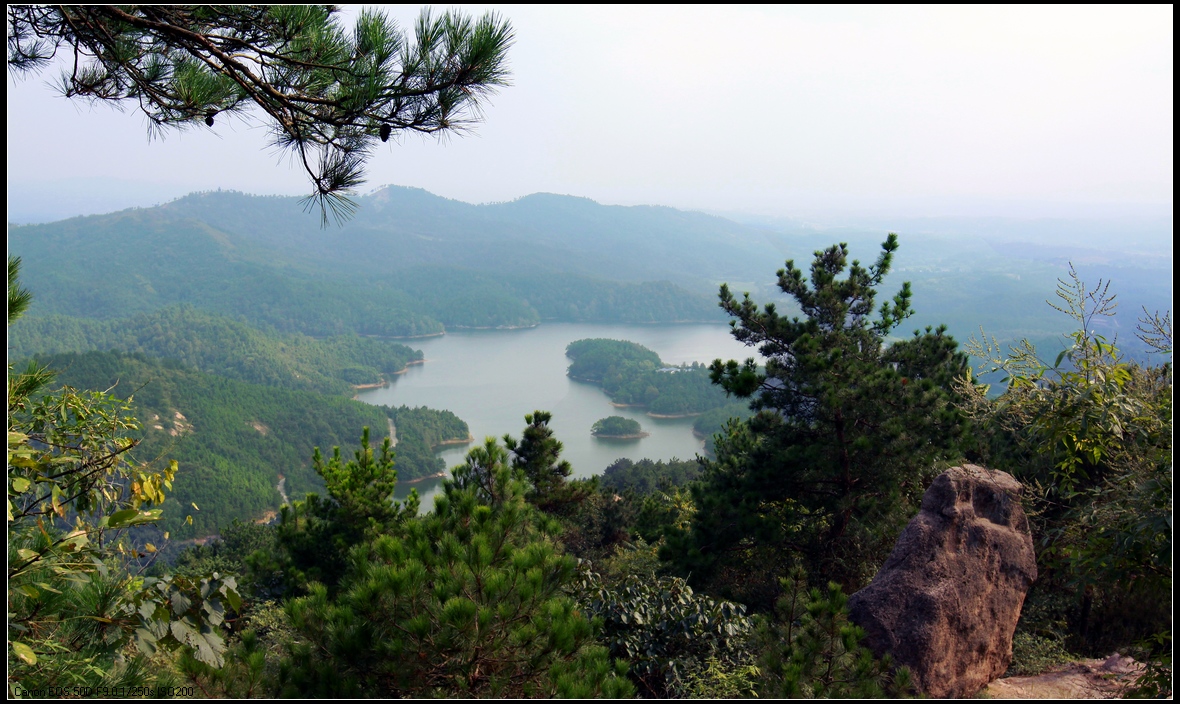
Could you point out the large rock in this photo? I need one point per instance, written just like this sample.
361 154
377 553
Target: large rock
947 600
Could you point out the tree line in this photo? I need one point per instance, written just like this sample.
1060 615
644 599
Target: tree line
223 346
633 375
729 580
234 440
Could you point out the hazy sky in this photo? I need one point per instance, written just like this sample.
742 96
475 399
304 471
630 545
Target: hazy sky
779 111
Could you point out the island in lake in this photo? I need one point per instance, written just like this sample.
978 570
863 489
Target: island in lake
633 375
617 427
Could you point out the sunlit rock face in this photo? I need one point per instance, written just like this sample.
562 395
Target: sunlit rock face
947 600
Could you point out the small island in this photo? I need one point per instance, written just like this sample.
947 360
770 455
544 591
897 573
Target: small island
618 428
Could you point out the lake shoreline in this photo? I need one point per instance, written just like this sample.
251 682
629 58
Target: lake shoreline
492 379
454 441
384 383
494 327
419 480
406 337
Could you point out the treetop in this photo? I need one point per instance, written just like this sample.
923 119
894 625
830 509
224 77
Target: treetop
329 94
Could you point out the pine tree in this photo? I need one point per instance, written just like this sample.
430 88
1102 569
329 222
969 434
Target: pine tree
329 94
538 456
848 432
316 534
466 601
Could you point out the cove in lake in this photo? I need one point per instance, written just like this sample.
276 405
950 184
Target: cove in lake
492 378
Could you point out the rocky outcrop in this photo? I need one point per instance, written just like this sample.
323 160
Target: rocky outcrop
946 602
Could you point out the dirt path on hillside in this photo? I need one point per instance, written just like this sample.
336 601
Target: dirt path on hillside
1088 679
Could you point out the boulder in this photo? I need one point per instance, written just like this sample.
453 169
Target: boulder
947 600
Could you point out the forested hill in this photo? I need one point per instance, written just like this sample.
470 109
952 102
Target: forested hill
233 441
633 375
222 346
402 228
412 263
397 271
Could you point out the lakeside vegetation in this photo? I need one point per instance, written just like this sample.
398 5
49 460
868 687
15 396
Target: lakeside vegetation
645 528
234 440
617 427
633 375
223 346
722 578
713 421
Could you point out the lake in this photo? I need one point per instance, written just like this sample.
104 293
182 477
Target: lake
492 378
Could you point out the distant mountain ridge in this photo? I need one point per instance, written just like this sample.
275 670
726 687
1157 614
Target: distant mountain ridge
401 227
413 263
410 264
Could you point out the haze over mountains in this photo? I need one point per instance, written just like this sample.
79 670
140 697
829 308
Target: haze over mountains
413 263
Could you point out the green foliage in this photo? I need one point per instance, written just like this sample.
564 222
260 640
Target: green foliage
363 487
711 422
464 601
1155 653
230 554
616 427
223 346
1033 654
316 534
236 441
645 476
665 513
432 427
675 641
77 632
848 433
537 457
186 612
1094 432
812 650
600 524
716 681
635 501
233 439
329 94
631 374
19 297
73 493
420 431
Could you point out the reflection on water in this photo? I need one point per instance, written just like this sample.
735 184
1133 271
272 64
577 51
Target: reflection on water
492 378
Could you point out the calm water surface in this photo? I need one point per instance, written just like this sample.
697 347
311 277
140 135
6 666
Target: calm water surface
492 378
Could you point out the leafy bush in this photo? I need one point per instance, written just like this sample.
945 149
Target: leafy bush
1094 432
1033 654
676 641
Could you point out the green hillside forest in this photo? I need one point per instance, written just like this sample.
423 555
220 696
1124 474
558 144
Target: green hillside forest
223 346
200 507
235 441
633 375
722 577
